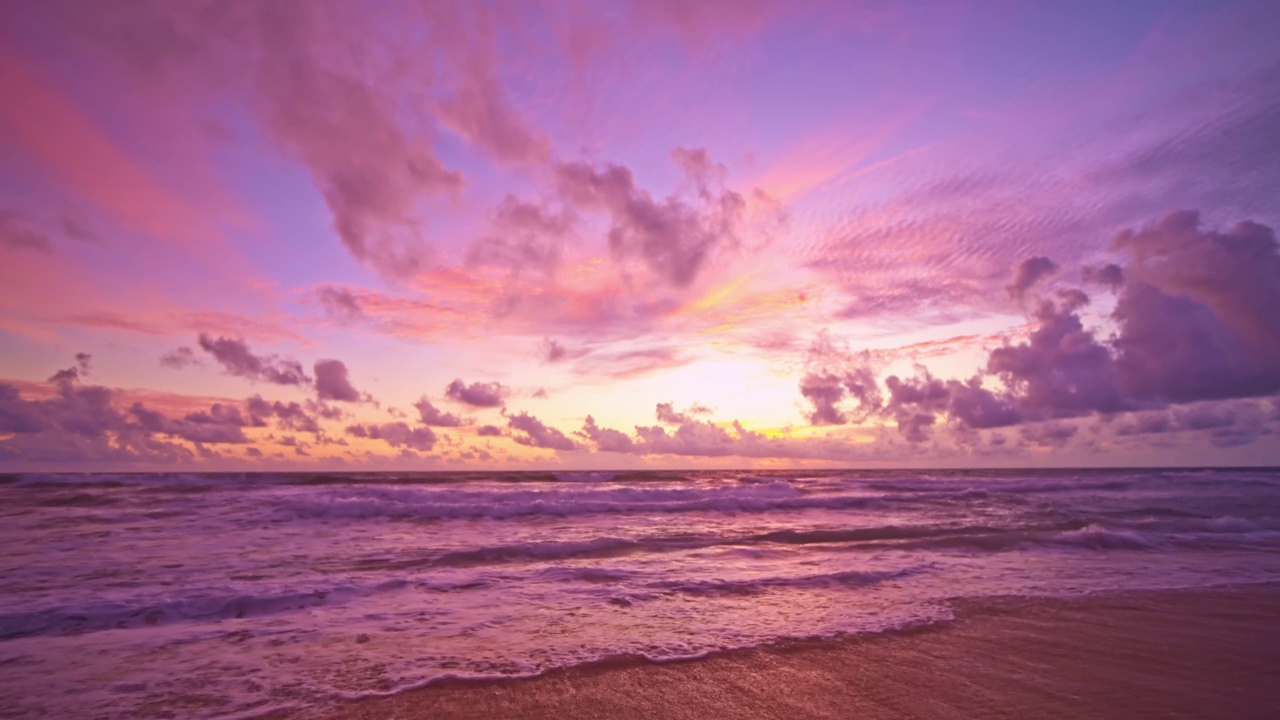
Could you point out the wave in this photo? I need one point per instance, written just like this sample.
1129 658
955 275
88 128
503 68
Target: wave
748 586
1002 485
114 616
417 504
855 535
584 476
1084 533
594 548
1097 537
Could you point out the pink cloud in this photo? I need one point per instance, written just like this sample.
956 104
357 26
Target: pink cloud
56 133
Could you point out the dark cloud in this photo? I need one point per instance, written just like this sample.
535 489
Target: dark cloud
179 358
432 416
397 435
477 394
333 383
489 431
673 237
236 359
535 434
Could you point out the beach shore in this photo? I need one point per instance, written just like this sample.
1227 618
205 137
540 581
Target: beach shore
1156 654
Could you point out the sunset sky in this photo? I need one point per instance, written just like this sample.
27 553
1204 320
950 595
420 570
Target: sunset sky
572 234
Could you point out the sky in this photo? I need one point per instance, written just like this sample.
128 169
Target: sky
505 235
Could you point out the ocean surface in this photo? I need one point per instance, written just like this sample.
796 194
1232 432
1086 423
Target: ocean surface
229 595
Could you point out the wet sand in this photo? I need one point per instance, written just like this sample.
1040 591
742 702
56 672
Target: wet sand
1163 654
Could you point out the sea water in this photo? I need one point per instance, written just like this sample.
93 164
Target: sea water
219 595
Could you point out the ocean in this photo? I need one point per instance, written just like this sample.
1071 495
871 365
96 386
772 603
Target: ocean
232 595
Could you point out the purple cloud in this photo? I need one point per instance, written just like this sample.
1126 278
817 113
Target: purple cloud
536 434
606 439
75 372
397 435
289 416
17 235
1194 321
1047 434
340 304
1062 370
525 236
1027 274
1197 311
1111 275
81 423
332 382
666 413
179 358
700 438
223 424
673 237
432 416
552 351
477 394
236 359
834 374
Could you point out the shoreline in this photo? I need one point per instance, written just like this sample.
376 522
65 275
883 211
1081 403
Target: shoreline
1195 653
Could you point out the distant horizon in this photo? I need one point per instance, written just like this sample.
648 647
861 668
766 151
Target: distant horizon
641 471
638 234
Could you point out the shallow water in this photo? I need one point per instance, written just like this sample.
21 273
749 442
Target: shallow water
227 595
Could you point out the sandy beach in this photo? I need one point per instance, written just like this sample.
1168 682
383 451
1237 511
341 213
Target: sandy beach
1156 654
